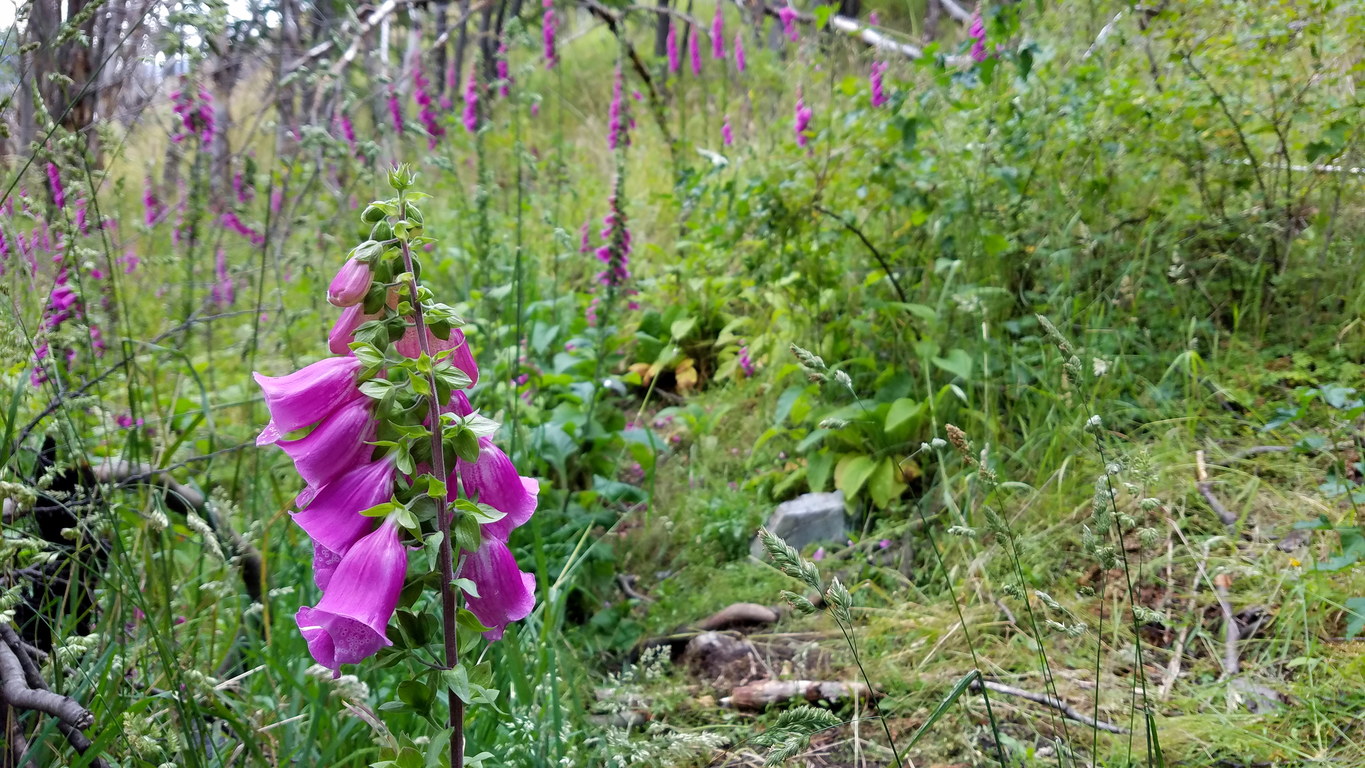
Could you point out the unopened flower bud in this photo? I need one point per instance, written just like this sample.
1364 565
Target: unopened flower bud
350 285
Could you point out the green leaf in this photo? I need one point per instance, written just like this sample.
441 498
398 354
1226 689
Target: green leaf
1355 616
885 484
957 362
1352 550
822 14
953 694
380 510
903 415
457 680
682 327
995 245
819 466
851 473
467 586
466 621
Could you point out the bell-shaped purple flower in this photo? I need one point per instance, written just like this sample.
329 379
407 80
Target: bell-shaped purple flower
350 285
307 396
348 624
671 48
325 563
336 445
460 355
332 517
494 481
343 330
506 593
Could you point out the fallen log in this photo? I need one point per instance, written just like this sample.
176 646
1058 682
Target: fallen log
766 693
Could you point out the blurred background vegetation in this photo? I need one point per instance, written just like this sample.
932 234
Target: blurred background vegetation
1172 546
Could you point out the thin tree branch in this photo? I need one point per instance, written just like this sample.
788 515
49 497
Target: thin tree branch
1049 701
876 254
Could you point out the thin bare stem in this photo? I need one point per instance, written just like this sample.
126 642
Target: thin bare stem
445 555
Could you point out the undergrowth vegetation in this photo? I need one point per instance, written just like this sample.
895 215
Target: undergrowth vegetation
1069 305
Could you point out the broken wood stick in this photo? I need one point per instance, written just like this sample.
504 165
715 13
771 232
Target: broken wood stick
1205 488
1048 701
765 693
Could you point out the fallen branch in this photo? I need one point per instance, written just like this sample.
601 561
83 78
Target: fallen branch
765 693
1048 701
1232 657
1205 488
22 688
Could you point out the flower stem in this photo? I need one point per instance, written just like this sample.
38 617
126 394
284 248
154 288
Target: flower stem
445 555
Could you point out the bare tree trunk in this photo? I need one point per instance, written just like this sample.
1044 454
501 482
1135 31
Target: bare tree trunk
440 56
933 11
661 22
455 75
288 49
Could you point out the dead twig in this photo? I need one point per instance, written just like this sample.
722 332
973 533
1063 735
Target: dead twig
1232 657
22 688
1205 488
1048 701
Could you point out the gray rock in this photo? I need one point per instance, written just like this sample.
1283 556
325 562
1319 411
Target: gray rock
814 517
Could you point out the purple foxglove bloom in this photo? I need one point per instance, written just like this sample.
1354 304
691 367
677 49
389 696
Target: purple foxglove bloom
727 136
978 35
224 291
461 357
337 444
54 180
746 364
348 624
350 285
395 111
615 133
458 404
332 517
802 121
343 330
874 19
787 15
470 116
718 34
492 480
504 70
550 28
671 48
325 563
694 50
506 593
875 78
308 395
740 59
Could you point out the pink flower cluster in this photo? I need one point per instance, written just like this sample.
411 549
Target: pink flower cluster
787 15
614 252
801 121
978 34
426 114
671 49
230 220
504 71
550 29
741 61
195 111
395 111
875 79
361 564
616 133
470 117
718 34
224 291
746 364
